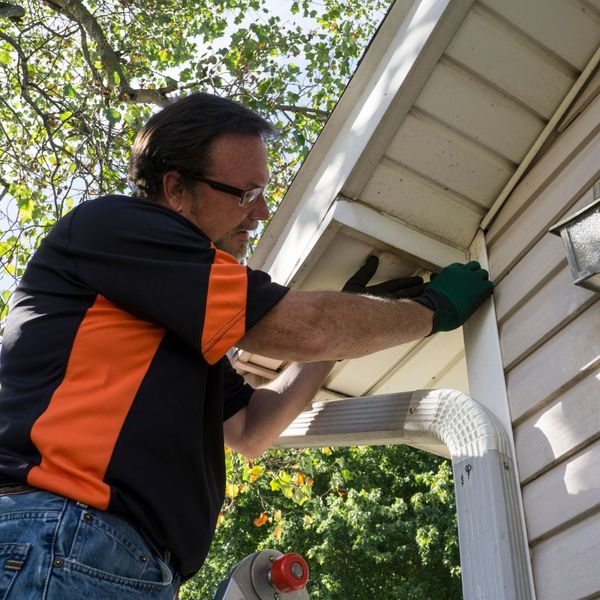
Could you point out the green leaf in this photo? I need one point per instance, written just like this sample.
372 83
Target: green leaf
116 78
285 477
299 497
5 57
257 470
113 115
306 464
69 91
26 211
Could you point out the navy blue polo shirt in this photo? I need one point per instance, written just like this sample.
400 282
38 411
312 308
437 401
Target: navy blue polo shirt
115 382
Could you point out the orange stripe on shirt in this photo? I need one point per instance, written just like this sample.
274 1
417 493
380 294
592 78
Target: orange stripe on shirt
77 433
225 317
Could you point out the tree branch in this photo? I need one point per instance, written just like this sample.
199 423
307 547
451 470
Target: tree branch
88 59
6 187
305 110
25 91
76 11
157 96
11 11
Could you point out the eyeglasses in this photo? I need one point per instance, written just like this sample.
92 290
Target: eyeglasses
246 197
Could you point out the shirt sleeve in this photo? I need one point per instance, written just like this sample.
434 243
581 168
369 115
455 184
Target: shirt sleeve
236 392
158 266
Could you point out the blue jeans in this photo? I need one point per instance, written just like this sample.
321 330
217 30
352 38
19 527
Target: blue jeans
52 548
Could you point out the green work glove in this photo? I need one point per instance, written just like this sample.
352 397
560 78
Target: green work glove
403 287
455 294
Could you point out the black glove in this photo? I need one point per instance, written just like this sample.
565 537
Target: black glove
455 294
403 287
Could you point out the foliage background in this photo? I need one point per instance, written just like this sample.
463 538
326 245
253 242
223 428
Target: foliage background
77 79
372 522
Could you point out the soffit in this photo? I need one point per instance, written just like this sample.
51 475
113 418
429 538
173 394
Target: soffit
482 82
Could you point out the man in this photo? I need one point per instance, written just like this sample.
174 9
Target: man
117 395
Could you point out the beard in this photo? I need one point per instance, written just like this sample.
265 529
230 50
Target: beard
234 244
231 242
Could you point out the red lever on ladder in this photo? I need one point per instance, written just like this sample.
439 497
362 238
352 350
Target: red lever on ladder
289 572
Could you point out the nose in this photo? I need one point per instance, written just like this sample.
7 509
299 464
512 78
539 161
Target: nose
260 209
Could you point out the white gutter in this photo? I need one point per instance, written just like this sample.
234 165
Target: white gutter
493 554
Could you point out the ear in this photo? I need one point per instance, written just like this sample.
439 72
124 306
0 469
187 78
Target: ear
173 191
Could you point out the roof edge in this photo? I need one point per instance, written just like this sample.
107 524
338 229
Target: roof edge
374 52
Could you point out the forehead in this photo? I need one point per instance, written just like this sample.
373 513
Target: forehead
240 158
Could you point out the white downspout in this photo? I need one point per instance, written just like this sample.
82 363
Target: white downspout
493 555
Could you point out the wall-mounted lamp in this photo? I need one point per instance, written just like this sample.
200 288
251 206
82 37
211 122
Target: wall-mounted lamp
580 234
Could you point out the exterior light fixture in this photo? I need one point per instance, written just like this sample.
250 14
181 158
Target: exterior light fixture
580 234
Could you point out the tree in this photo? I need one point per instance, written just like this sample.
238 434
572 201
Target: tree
79 77
373 522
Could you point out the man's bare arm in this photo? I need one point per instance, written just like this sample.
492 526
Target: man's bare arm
273 407
310 326
329 325
314 326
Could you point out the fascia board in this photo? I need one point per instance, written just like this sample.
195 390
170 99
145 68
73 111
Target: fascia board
421 37
359 82
395 233
430 252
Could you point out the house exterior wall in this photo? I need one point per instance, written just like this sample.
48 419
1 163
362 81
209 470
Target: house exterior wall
550 341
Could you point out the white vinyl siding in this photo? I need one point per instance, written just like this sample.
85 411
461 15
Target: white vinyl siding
550 341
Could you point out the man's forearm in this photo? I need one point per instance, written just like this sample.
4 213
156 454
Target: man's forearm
274 406
310 326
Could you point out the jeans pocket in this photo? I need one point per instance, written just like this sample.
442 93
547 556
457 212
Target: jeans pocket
12 560
109 549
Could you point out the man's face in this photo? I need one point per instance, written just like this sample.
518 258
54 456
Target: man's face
239 161
236 242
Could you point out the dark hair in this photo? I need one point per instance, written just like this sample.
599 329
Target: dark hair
178 138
